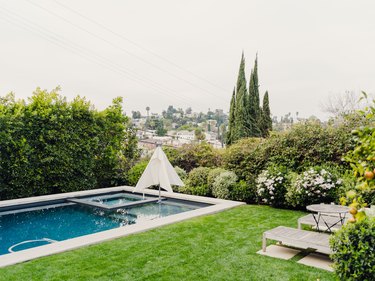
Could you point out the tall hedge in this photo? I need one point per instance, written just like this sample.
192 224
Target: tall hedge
306 144
49 145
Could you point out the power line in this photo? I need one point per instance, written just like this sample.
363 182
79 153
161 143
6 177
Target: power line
82 52
139 46
123 49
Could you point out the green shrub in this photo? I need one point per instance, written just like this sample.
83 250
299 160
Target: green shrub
246 158
196 182
173 155
190 156
181 173
224 184
354 251
272 186
49 145
212 175
315 185
136 172
200 190
183 176
242 191
305 145
198 176
310 144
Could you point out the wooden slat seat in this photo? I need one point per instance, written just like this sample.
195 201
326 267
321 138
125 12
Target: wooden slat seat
298 238
309 220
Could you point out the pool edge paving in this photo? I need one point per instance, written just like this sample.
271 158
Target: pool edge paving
218 205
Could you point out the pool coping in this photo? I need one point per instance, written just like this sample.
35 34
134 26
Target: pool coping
218 205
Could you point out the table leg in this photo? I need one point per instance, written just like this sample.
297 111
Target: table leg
316 220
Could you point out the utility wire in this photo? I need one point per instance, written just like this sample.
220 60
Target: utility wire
124 50
139 46
14 19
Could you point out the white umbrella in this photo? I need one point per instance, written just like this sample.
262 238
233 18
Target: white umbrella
159 172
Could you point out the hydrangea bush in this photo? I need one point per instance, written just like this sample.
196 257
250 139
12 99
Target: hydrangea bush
316 185
271 186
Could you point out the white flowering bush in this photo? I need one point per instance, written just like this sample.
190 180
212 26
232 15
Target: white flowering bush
316 185
272 185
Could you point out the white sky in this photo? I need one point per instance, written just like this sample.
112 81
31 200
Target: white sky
307 50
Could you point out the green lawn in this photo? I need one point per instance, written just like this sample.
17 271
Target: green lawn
217 247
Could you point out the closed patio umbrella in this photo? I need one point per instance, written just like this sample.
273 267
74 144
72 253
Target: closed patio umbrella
159 171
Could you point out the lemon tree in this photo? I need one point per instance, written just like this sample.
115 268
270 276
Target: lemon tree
362 160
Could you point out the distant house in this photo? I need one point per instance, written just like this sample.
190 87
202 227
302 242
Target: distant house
185 136
139 122
211 125
210 136
177 115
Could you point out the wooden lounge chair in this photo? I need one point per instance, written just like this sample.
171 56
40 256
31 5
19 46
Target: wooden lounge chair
302 239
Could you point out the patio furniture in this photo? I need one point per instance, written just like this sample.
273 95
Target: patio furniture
302 239
310 220
328 216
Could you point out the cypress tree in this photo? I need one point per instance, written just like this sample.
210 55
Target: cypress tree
241 129
266 116
232 119
242 119
254 102
241 79
246 117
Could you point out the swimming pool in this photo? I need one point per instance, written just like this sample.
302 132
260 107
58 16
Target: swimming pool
44 225
26 228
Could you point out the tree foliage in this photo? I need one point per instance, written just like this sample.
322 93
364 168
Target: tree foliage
246 117
232 124
304 145
190 156
362 161
354 251
254 103
50 145
265 116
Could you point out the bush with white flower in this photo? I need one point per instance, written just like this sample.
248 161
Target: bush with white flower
316 185
272 185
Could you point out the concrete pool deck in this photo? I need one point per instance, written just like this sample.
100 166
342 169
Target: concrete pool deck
218 205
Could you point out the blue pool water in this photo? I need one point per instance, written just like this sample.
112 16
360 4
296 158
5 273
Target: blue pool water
72 220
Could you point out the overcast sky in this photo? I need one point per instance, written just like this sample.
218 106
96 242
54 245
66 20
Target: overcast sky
187 53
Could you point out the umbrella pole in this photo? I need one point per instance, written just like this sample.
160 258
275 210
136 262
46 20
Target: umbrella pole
159 195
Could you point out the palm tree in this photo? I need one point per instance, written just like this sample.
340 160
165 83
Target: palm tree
148 110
